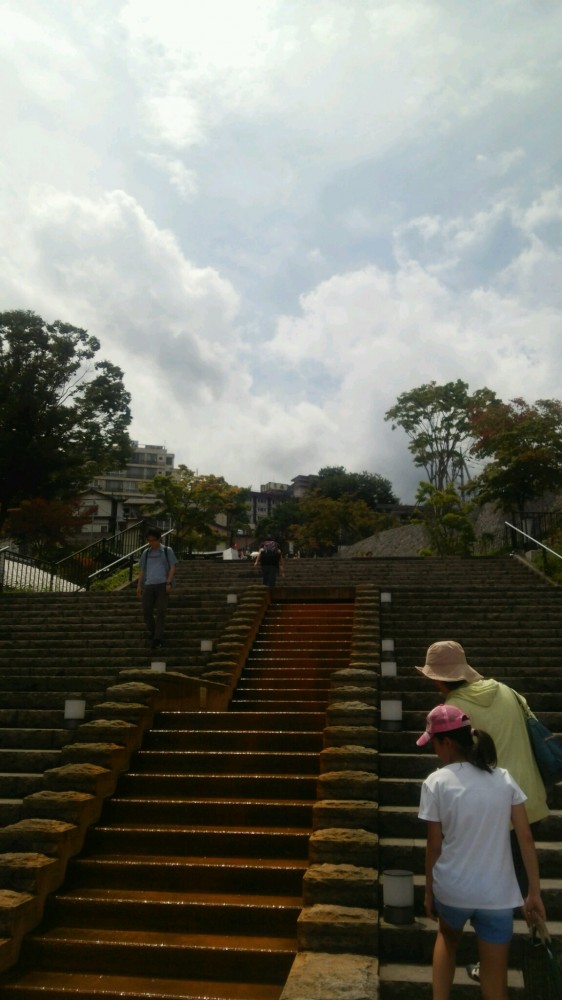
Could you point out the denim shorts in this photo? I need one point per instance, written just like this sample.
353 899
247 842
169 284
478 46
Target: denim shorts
492 926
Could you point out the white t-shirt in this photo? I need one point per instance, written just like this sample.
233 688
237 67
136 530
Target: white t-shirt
475 868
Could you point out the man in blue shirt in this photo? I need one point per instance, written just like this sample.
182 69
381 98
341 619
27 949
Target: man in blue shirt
157 570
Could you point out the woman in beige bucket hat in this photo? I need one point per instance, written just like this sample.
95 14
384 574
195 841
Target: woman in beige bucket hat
492 707
446 661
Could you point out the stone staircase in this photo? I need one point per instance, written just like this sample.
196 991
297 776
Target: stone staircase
191 883
241 768
59 646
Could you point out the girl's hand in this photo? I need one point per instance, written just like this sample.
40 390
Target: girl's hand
533 908
429 907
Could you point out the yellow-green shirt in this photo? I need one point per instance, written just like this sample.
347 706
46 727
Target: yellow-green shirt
493 707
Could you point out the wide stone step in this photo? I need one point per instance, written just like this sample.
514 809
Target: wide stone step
184 873
302 662
271 706
414 942
191 912
254 812
273 764
26 761
402 821
414 982
313 721
230 741
44 739
409 853
284 677
91 986
195 956
171 839
10 810
292 787
14 785
550 892
397 791
57 683
292 698
414 684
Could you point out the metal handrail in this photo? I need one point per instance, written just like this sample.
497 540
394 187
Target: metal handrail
129 557
3 550
534 540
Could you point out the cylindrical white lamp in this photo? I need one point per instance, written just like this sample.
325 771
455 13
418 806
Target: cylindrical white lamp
158 666
388 668
391 714
232 598
386 597
206 645
387 645
398 896
74 712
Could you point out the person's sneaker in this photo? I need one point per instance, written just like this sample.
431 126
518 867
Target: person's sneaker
473 971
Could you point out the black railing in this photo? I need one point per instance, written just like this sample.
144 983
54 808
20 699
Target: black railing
128 561
526 530
74 572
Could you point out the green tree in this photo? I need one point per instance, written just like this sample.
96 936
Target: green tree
335 483
44 528
446 518
437 420
63 415
280 524
325 524
195 503
524 443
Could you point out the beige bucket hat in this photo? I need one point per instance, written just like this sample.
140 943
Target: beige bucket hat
446 661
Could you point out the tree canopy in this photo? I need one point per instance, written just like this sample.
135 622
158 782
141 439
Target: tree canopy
446 517
325 524
335 483
195 502
437 420
44 528
63 415
524 443
281 522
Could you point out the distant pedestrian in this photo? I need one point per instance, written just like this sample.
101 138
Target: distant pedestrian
469 805
157 571
270 560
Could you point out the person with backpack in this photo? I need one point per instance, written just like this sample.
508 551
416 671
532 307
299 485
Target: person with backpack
270 560
469 805
157 570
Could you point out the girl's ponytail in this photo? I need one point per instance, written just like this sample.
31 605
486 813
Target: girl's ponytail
476 746
482 752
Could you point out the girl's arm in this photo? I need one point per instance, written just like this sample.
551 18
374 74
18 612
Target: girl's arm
533 907
432 852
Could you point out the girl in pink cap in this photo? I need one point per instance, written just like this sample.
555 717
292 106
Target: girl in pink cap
469 805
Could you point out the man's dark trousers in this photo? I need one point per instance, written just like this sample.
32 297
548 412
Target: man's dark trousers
154 604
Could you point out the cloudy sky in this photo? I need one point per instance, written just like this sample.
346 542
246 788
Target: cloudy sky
277 215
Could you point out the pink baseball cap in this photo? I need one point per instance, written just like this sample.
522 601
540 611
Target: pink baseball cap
443 719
